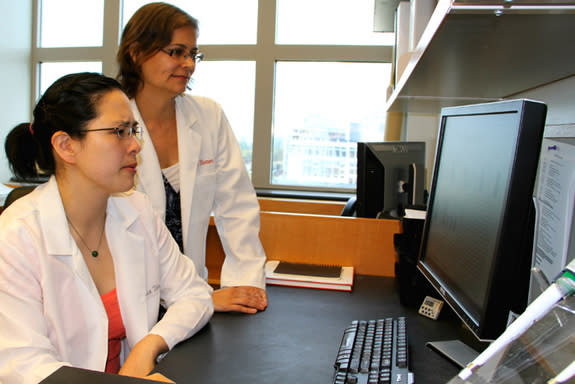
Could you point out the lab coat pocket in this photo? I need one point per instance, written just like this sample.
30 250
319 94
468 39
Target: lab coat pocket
206 168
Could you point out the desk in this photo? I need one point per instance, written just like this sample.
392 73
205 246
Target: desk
296 338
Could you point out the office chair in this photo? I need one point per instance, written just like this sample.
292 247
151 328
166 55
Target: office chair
17 193
349 208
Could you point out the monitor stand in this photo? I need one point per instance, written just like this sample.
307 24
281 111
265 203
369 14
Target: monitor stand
393 214
396 213
456 351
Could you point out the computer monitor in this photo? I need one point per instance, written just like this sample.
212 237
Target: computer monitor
478 232
390 177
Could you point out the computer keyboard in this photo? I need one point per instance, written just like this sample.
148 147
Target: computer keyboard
374 351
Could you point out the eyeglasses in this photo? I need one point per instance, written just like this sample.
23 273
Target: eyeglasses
181 54
122 132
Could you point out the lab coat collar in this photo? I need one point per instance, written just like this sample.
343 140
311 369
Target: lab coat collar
126 245
52 219
128 248
149 179
59 241
149 176
189 147
57 237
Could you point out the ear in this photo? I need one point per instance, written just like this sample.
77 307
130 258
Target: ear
134 52
64 146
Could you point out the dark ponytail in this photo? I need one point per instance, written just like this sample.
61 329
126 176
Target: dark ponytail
21 152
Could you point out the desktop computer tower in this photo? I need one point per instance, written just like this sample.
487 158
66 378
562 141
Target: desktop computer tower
413 287
554 200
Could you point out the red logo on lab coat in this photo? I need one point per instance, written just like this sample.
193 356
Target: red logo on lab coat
206 162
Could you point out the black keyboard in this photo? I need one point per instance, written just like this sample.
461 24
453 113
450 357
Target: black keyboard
374 351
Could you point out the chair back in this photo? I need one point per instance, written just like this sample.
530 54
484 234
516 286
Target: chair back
17 193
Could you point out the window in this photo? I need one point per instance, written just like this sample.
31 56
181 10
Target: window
50 72
321 111
236 25
67 41
63 23
328 22
232 84
301 81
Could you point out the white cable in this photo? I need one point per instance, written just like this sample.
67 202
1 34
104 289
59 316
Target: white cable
564 286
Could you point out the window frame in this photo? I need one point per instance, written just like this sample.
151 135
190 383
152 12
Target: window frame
265 53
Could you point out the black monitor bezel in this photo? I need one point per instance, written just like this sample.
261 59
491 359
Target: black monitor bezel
372 200
507 288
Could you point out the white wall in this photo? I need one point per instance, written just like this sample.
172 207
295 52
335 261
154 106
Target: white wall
423 127
15 70
559 97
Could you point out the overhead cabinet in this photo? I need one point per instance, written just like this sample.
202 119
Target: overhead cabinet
473 52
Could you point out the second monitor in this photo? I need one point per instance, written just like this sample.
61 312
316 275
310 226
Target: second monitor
390 178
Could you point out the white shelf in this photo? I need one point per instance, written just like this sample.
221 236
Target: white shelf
469 54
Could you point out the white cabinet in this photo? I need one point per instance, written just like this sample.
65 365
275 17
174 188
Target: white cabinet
472 52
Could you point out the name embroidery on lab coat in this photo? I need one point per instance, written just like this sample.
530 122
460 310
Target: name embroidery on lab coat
154 288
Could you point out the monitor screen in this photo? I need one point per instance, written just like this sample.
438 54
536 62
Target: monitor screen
476 243
390 178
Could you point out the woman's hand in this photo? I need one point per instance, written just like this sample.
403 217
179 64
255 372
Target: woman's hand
159 377
142 359
243 299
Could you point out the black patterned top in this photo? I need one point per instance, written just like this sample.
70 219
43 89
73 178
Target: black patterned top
173 213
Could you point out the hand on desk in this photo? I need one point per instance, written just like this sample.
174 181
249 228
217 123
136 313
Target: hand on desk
159 377
244 299
142 358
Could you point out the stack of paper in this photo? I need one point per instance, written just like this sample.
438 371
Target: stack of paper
309 275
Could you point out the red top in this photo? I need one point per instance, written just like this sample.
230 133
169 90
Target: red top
116 331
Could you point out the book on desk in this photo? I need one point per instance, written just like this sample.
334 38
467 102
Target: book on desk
68 374
338 278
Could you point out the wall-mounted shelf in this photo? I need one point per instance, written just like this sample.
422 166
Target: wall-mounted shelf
468 53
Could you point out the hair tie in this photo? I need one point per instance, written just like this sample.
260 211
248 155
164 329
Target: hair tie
31 129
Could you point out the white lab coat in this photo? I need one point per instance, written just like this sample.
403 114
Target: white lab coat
213 178
51 313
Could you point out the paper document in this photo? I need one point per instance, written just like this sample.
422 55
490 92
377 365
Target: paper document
414 214
554 201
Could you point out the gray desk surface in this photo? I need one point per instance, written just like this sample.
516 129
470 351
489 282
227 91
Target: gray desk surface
296 338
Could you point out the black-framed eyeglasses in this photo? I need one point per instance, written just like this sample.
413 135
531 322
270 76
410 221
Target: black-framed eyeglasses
122 132
181 54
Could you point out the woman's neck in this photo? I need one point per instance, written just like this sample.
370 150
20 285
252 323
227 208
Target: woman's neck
159 117
155 109
84 206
